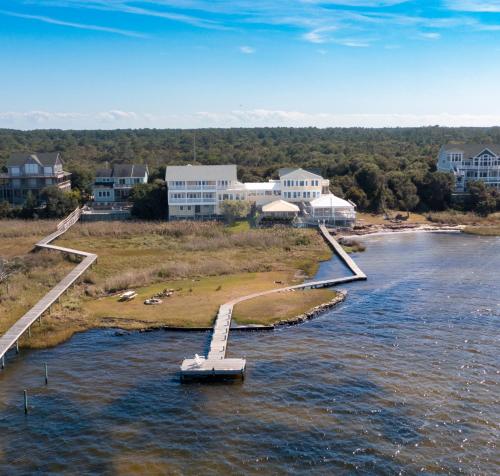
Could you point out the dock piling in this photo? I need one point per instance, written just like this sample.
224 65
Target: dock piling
46 374
26 402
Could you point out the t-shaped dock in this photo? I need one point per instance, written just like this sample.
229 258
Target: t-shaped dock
215 364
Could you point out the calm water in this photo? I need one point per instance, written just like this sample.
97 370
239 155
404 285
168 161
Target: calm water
402 377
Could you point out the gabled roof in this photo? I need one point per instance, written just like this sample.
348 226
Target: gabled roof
47 159
287 173
200 172
123 170
329 201
472 150
280 206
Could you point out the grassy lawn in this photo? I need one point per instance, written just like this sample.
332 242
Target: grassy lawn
279 306
193 304
206 263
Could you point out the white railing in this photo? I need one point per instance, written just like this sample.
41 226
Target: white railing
200 200
70 220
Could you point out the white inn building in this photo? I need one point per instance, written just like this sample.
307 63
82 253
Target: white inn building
197 192
471 162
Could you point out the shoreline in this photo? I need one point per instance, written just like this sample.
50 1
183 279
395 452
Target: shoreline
387 231
293 321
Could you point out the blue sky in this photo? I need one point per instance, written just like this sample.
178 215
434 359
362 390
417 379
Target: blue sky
200 63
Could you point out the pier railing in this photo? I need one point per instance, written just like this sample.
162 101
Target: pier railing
216 363
23 324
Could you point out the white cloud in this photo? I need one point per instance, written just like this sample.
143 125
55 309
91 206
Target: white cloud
319 35
247 50
430 35
352 43
491 6
80 26
237 118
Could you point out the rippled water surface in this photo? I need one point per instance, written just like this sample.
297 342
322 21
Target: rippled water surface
402 377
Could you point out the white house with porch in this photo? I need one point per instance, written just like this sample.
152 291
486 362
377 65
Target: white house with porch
197 192
471 162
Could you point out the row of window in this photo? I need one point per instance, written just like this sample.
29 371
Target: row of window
31 169
104 193
32 182
301 194
483 174
199 183
301 183
180 196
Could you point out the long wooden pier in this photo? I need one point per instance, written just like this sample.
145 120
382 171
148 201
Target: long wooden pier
215 364
12 336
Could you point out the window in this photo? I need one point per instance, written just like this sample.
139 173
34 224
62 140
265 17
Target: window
301 183
30 168
15 171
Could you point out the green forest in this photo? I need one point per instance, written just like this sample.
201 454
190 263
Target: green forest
376 168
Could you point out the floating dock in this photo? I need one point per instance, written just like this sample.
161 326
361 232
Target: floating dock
215 364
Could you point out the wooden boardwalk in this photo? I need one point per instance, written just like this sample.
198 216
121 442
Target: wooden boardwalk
12 336
215 364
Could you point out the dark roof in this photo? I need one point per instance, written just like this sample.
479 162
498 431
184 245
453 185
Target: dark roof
43 159
473 150
123 170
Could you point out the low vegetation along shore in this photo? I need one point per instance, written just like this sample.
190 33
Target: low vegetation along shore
202 265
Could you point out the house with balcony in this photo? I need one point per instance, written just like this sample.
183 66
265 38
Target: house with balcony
198 191
471 162
30 174
112 186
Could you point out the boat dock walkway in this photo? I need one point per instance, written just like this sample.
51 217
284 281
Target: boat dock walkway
215 364
12 336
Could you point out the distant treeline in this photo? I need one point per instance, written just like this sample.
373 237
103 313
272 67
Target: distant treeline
376 168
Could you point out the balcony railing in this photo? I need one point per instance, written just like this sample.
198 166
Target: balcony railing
208 201
192 187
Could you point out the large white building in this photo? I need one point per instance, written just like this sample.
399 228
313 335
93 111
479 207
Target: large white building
471 162
197 191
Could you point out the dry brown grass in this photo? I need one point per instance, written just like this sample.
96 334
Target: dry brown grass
378 219
36 274
453 217
17 237
207 262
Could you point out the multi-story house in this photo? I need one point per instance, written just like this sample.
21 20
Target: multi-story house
30 174
299 185
471 162
198 191
113 185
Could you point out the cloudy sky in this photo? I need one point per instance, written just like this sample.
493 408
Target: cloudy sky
217 63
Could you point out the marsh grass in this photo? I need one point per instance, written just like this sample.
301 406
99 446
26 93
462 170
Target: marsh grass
207 262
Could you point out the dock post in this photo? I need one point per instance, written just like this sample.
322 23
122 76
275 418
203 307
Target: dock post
46 374
17 346
29 331
3 362
26 402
